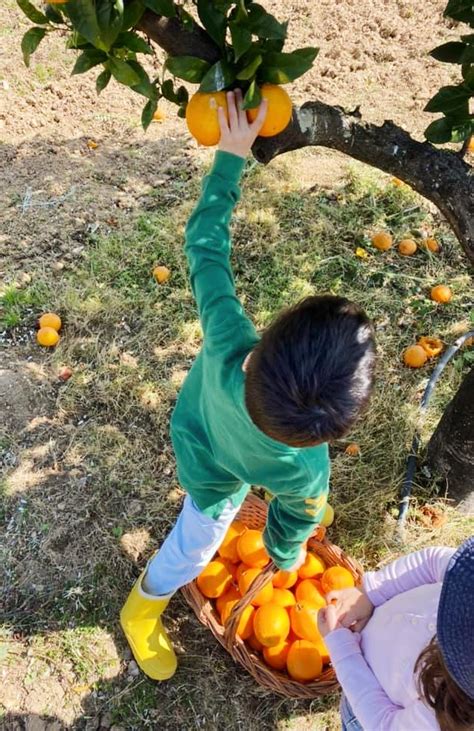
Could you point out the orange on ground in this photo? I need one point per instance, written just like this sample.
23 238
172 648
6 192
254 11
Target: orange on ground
432 245
251 549
414 356
353 450
431 346
159 116
264 595
304 620
214 580
202 119
161 274
313 566
271 624
407 247
382 241
441 293
285 579
245 625
304 662
254 643
50 319
309 591
276 656
278 112
228 547
336 577
228 596
47 336
283 597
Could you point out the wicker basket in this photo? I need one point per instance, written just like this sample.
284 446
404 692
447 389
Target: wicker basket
253 514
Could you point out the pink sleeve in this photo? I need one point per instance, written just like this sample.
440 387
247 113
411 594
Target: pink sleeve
371 705
427 566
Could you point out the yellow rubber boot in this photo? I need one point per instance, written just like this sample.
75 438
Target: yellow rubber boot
141 622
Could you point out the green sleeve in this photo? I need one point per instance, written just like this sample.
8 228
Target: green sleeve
293 514
208 246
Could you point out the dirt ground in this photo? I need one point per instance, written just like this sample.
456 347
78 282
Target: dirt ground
57 193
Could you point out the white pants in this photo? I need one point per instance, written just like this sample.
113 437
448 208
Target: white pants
187 549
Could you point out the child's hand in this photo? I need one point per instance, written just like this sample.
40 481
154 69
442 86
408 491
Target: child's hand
327 620
300 560
238 134
353 608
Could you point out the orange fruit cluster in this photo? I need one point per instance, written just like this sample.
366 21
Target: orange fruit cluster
281 623
417 355
383 241
203 120
48 332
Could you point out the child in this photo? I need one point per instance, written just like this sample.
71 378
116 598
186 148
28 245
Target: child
252 410
411 668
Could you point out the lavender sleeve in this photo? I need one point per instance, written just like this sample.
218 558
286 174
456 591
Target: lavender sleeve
427 566
372 706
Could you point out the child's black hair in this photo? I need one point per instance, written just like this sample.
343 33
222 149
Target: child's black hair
311 374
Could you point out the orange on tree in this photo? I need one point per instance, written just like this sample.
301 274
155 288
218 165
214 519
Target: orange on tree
228 547
214 579
283 597
407 247
266 592
414 356
230 595
276 656
382 240
271 624
441 293
245 626
304 620
251 549
50 319
161 274
304 661
278 112
431 346
285 579
336 577
313 566
47 336
202 118
309 591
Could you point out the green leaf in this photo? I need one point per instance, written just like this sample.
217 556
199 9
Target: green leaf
468 39
102 80
144 86
249 71
123 72
31 41
468 55
468 75
281 68
219 77
167 90
275 45
53 14
448 99
83 17
263 24
449 52
253 97
460 10
183 95
439 131
77 41
182 112
87 60
188 68
162 7
464 131
110 18
133 42
31 12
132 13
241 39
213 20
148 111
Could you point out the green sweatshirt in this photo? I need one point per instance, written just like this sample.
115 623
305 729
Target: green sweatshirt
219 451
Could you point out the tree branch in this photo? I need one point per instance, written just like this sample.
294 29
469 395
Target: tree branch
441 176
177 40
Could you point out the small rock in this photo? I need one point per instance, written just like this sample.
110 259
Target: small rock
58 266
133 669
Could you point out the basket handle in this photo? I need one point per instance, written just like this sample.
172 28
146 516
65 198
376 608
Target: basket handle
257 584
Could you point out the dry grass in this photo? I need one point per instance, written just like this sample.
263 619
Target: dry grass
93 489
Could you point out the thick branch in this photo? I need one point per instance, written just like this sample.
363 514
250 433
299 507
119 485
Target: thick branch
439 175
176 40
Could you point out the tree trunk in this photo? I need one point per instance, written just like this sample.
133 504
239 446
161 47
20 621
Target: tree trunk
451 448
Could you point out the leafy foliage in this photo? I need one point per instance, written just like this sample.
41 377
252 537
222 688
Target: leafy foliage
457 124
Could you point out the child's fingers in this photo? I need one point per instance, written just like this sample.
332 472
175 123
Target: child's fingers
260 118
243 121
232 109
223 124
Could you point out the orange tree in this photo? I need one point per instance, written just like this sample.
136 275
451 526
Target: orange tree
220 44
